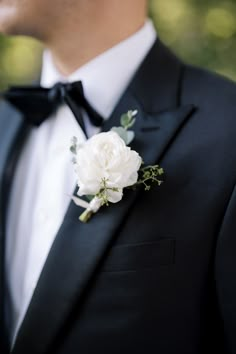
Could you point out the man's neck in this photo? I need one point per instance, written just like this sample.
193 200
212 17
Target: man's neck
73 46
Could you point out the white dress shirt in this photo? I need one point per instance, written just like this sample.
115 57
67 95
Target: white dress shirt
45 179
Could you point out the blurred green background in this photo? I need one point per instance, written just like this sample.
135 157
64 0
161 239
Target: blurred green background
202 32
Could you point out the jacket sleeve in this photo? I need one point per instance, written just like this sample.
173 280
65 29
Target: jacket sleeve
225 273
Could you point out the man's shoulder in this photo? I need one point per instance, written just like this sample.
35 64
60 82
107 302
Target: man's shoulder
10 119
214 97
209 90
4 110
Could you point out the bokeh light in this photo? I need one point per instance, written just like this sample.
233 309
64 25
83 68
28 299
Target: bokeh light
201 32
20 61
220 22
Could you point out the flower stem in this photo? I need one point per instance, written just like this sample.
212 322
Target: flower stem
86 215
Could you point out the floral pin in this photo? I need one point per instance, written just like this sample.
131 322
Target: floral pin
105 165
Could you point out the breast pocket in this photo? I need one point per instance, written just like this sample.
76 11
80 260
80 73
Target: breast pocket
140 256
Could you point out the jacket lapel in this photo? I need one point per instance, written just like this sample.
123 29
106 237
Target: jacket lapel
79 248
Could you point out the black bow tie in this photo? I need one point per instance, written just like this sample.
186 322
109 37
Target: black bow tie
38 103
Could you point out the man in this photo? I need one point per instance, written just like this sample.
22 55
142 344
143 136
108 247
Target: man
154 273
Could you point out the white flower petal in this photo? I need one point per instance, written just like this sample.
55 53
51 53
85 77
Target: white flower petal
114 196
105 156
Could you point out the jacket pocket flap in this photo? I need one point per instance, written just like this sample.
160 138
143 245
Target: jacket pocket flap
132 257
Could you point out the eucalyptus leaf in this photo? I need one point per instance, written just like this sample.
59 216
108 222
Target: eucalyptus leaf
124 120
74 140
123 134
127 120
73 149
130 136
131 123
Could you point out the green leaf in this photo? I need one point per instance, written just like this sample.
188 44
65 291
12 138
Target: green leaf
130 136
126 135
122 133
127 120
124 120
73 147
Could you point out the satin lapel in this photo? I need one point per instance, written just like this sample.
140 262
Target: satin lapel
79 248
10 137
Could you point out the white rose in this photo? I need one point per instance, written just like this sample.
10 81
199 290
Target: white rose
105 156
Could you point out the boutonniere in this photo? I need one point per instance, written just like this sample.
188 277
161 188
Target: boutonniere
105 165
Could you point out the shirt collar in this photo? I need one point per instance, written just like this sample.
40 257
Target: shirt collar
117 65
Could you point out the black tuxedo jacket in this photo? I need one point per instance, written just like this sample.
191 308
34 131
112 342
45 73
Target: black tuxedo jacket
155 273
